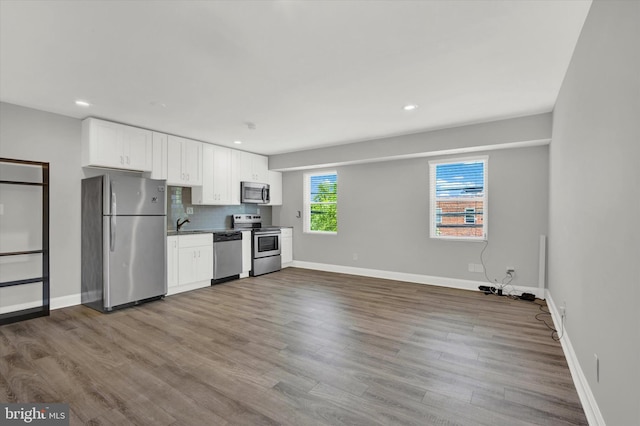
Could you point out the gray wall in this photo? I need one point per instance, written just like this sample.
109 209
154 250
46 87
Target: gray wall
594 245
29 134
383 217
444 141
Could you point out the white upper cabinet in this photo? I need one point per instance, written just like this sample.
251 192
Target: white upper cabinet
184 162
217 177
253 167
275 188
159 156
116 146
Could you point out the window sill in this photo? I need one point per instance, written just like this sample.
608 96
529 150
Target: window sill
465 239
320 232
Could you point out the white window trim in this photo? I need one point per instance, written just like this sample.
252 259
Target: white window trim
306 221
432 198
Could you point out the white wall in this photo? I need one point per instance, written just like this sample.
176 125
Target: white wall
594 243
30 134
383 211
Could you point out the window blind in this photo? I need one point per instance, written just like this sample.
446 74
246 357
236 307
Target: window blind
458 198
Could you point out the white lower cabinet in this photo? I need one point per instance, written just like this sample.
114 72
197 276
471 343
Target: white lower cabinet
172 262
286 247
246 254
194 262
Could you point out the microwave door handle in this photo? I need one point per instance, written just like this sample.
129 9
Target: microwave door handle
264 190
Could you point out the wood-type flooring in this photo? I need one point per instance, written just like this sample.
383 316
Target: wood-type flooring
297 347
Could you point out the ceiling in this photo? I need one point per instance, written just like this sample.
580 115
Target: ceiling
306 74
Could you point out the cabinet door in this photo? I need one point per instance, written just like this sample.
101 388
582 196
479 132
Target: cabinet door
287 245
222 175
235 176
106 144
275 188
204 263
251 167
137 148
192 162
159 154
205 194
260 168
174 161
246 251
172 261
186 265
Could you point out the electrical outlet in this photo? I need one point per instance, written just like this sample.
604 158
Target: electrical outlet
476 267
563 311
189 210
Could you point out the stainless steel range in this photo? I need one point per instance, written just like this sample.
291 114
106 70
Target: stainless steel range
265 243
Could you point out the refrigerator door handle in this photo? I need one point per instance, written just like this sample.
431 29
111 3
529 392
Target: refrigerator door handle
113 219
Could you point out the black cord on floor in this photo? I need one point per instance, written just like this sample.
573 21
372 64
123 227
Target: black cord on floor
554 333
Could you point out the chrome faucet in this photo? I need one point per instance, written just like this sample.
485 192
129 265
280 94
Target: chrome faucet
179 224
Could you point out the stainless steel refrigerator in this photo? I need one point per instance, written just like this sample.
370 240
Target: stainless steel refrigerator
124 227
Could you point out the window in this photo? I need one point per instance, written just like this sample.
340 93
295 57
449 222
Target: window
321 202
469 216
458 195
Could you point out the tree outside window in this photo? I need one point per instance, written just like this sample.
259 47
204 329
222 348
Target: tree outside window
321 202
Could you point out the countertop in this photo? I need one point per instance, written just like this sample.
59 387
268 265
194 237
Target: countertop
172 233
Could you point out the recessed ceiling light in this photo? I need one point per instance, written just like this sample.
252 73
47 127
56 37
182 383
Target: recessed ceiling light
82 103
410 107
237 142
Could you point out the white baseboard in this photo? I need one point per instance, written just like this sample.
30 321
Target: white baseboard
188 287
66 301
589 404
54 303
412 278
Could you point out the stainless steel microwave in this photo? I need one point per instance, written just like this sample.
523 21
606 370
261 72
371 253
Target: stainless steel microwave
254 192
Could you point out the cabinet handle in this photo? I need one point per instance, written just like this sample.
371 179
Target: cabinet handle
187 176
121 159
128 160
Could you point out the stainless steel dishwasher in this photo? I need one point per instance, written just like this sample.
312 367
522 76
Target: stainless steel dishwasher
227 256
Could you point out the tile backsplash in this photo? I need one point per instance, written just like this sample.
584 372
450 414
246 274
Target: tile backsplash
206 217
